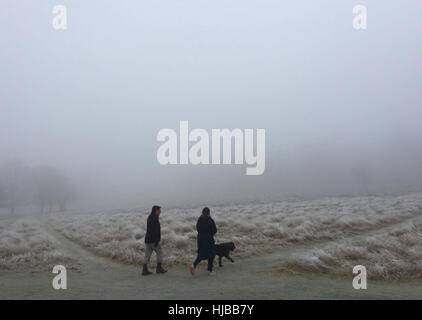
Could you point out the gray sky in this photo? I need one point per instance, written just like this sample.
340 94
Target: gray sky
341 108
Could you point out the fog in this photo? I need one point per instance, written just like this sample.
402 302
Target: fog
341 108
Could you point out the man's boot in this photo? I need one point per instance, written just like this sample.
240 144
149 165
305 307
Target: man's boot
145 270
160 268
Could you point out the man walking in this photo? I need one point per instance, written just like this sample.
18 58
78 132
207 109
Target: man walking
152 241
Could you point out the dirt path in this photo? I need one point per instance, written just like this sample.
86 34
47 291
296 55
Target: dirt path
100 278
83 256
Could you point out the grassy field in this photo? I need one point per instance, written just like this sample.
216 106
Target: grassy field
289 249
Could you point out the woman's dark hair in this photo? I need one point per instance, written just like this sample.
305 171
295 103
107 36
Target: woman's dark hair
154 209
205 213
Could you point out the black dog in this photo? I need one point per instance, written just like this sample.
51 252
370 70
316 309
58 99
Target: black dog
223 250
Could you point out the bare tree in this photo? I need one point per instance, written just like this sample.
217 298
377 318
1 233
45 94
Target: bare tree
13 184
51 188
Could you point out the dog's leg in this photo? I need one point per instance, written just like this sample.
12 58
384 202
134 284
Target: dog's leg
219 261
228 257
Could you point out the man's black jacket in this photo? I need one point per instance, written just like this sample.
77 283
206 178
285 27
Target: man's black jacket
153 229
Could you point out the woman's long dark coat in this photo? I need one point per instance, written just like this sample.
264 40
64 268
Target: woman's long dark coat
206 230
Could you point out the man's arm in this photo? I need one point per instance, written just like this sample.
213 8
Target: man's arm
156 231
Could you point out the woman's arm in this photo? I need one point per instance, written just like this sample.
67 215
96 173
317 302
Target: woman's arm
214 227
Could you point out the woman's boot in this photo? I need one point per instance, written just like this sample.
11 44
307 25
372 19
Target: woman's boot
160 268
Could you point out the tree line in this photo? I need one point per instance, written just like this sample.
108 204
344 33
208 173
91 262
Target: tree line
43 186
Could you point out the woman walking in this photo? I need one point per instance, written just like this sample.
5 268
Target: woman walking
206 246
